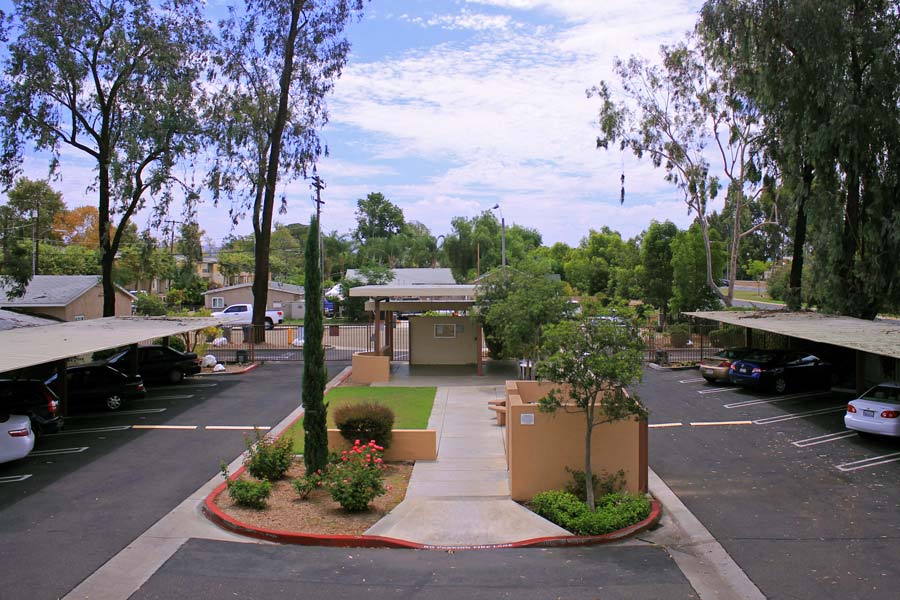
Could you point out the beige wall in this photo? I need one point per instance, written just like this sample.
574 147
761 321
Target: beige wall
538 453
89 305
406 444
368 367
426 349
244 295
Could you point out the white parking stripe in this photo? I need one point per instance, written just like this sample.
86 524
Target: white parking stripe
824 439
237 428
182 397
59 451
91 430
869 462
139 411
698 380
772 400
809 413
662 425
707 423
717 390
14 478
177 427
183 386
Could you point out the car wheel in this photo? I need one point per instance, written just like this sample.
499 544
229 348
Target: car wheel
175 376
114 402
709 379
780 385
270 324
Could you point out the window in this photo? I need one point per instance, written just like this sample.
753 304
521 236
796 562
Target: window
445 330
218 302
78 318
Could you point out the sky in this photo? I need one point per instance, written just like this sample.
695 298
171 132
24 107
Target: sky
449 107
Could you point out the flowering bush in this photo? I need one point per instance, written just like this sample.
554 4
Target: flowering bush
306 484
358 477
267 458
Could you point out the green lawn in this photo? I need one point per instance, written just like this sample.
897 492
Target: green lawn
411 406
755 297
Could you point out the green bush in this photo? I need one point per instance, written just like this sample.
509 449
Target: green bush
306 484
604 483
778 282
727 336
243 492
365 421
358 477
267 458
614 511
149 306
176 342
679 334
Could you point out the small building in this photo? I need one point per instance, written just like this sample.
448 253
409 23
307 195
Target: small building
411 277
66 298
282 296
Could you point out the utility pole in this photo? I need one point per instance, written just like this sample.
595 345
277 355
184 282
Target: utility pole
170 223
319 185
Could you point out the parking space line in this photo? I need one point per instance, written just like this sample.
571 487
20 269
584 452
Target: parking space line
236 428
824 439
90 430
59 451
140 411
697 380
717 390
14 478
182 386
708 423
662 425
771 400
869 462
180 397
809 413
185 427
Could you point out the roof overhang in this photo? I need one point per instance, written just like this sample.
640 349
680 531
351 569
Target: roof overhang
881 337
414 291
421 306
30 346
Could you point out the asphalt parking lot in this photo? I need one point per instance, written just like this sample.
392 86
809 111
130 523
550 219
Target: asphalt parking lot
805 507
85 493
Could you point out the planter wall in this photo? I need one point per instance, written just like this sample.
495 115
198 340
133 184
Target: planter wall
407 444
369 367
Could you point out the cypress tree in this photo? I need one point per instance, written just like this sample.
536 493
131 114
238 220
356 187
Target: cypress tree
315 450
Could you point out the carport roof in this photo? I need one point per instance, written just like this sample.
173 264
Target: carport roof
29 346
880 337
413 291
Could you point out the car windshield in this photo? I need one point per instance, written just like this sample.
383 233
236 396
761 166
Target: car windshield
883 393
761 356
732 353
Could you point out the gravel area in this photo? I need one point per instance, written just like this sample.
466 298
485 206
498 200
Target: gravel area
318 514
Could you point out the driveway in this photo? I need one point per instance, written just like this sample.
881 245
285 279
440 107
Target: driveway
86 493
805 508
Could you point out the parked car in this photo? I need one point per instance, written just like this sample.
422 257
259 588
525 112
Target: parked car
100 384
242 314
781 370
716 367
31 397
159 363
16 437
877 411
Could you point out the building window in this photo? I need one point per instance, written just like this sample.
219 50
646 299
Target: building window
78 318
218 302
445 330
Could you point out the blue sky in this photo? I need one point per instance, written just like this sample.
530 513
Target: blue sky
448 107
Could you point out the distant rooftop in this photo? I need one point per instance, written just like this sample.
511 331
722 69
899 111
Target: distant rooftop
273 285
12 320
51 290
412 277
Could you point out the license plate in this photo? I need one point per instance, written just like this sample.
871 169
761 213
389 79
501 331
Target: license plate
745 369
868 413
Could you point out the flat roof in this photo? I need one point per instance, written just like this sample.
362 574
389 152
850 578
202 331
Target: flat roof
414 291
422 306
880 337
29 346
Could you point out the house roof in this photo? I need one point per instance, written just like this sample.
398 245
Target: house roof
391 290
53 290
273 285
410 277
880 337
13 320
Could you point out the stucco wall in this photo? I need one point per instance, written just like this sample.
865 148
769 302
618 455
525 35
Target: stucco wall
244 295
369 367
406 444
538 453
426 349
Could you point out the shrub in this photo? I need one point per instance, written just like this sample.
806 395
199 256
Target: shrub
243 492
614 511
679 334
365 421
267 458
604 483
778 282
149 306
176 342
559 507
358 478
306 484
727 335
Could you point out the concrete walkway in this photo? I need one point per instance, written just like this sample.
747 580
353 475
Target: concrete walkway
462 498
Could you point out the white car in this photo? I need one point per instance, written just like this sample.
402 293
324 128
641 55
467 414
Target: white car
16 437
877 411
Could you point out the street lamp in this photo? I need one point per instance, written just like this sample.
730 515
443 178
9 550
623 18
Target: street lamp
502 235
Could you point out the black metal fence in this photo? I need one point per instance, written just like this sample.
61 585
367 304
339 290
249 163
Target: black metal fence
692 342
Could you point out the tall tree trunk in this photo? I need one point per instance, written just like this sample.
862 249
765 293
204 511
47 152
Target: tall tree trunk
106 252
795 283
735 246
704 229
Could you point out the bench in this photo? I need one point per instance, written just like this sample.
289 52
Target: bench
501 414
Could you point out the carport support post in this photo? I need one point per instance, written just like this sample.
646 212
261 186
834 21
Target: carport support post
133 359
62 387
377 326
748 337
860 372
479 359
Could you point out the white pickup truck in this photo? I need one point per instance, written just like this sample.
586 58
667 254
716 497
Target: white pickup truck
243 314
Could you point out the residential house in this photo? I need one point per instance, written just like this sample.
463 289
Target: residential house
66 297
282 296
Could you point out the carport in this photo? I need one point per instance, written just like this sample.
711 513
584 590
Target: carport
875 344
55 344
385 301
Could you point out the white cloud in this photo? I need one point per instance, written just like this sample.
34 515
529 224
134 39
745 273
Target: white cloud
463 20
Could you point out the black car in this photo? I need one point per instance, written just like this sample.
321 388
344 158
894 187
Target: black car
100 384
33 398
159 363
781 370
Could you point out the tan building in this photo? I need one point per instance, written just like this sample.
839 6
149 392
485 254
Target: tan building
67 298
209 270
282 296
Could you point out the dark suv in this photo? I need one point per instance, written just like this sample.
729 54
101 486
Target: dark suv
159 363
98 384
33 398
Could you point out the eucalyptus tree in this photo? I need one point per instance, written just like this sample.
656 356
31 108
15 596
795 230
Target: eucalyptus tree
832 120
113 81
277 61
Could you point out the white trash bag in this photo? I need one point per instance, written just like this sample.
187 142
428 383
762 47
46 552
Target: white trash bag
219 341
297 342
219 368
208 361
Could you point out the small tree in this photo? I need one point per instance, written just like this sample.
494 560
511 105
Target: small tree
593 361
315 450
